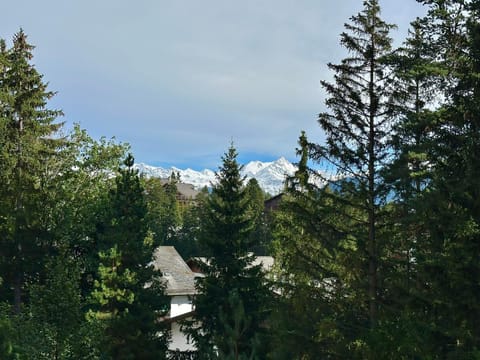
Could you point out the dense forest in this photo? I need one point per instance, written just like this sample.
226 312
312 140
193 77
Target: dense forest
376 239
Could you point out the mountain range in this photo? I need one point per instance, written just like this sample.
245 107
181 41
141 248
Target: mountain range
270 175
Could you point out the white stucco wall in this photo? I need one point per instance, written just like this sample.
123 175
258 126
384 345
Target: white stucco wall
179 304
179 340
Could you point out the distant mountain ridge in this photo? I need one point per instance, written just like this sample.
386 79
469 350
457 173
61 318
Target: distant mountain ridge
270 175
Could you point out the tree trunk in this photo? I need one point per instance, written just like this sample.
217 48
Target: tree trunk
371 247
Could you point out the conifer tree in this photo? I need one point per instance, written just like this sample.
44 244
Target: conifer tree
330 240
357 129
30 143
230 326
316 267
129 295
446 256
418 82
260 234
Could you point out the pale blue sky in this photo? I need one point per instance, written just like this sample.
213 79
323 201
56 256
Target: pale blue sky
180 79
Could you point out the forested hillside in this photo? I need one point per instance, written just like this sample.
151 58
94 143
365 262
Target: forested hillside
382 262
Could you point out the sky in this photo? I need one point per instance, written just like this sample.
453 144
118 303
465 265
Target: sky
180 80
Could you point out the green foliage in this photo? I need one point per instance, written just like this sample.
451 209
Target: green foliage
232 299
113 291
186 239
340 226
129 297
172 220
234 328
357 127
338 259
30 146
7 350
164 215
317 269
408 205
261 232
80 193
53 325
55 189
436 215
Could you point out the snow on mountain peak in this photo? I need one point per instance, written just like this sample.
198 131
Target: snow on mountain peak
270 175
254 167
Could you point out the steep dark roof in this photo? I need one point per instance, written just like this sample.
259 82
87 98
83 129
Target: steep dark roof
180 279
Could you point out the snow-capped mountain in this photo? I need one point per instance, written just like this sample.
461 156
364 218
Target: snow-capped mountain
270 175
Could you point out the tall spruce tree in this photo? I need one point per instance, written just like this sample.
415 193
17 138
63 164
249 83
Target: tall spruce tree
332 239
129 295
30 143
357 130
231 302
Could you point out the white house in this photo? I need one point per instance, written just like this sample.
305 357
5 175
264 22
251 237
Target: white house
180 286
